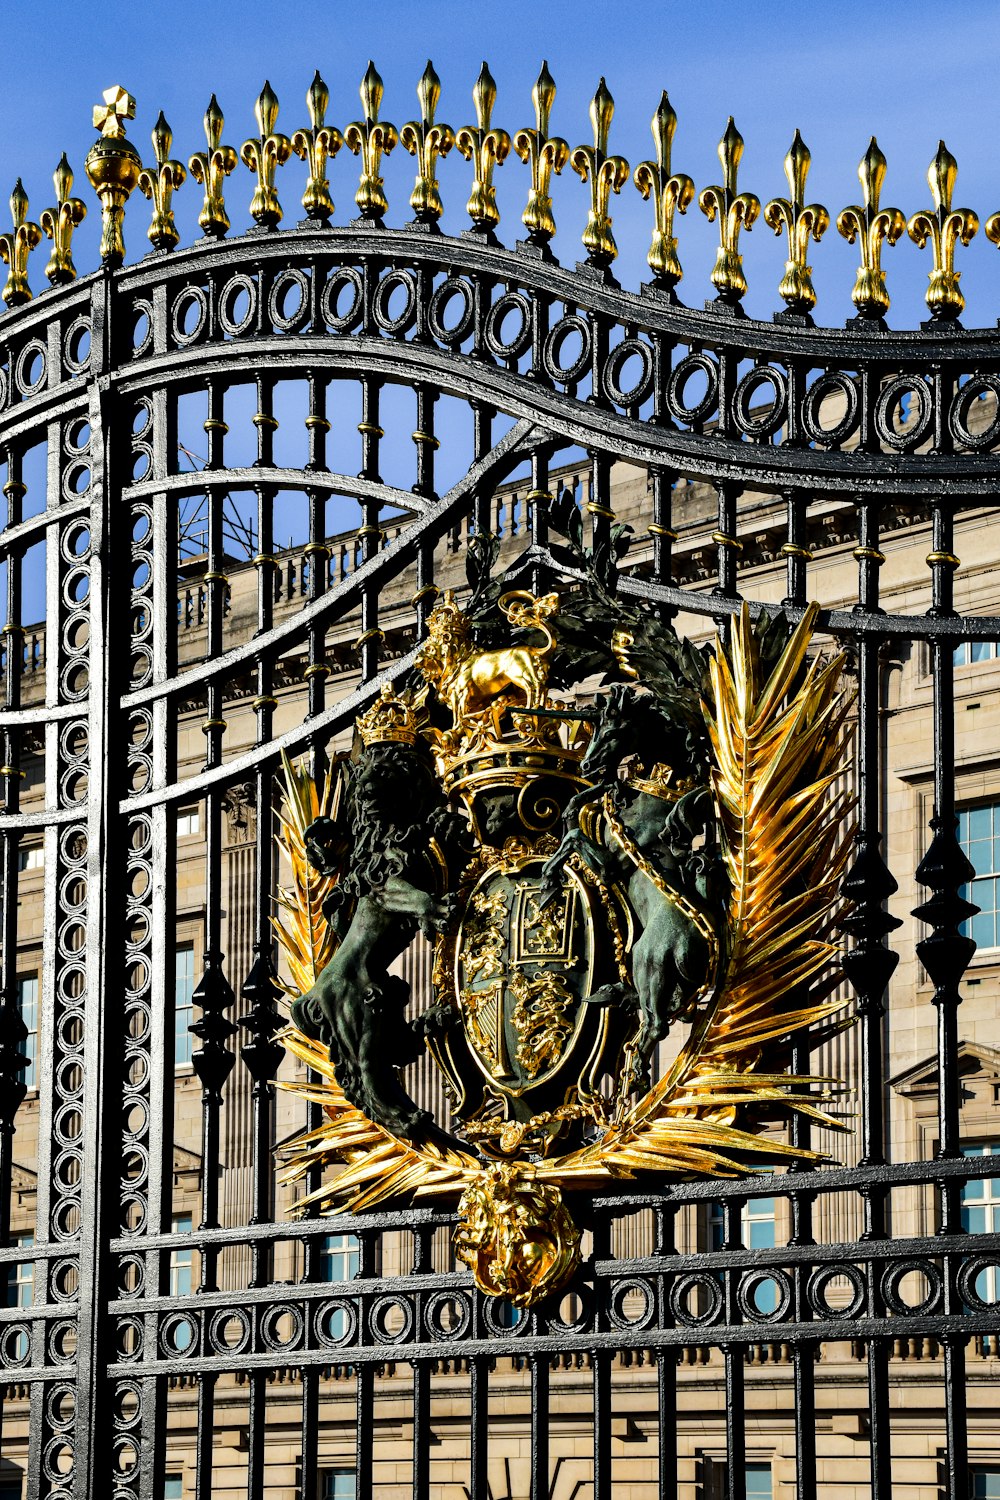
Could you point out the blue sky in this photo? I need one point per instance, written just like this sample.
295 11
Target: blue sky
910 73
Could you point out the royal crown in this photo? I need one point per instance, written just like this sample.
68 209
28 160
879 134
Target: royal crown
390 720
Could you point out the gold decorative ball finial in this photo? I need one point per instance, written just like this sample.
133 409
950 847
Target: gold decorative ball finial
113 165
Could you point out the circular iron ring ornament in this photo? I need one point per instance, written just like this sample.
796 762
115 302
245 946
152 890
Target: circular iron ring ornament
509 348
974 390
832 383
682 373
555 339
349 319
890 396
896 1273
403 321
760 424
820 1280
635 394
454 289
240 285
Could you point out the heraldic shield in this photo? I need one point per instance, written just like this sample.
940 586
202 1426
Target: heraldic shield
612 838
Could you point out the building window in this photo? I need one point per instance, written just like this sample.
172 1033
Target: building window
340 1257
985 1484
188 822
181 1261
21 1275
981 1215
183 1004
27 1009
758 1480
979 835
10 1483
30 857
970 652
173 1487
757 1233
337 1484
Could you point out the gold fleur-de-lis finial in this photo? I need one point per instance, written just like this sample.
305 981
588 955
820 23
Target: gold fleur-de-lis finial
319 144
159 183
486 147
736 211
113 165
671 192
59 223
944 227
426 139
606 175
264 154
16 246
801 221
371 138
547 154
871 225
211 168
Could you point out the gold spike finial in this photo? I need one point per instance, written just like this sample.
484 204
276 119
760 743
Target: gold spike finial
486 148
211 168
113 166
426 139
371 138
546 154
264 154
159 184
870 225
59 223
944 227
606 174
319 144
736 211
671 192
801 221
16 246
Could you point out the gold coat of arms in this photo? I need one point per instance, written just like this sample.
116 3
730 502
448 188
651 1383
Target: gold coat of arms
613 839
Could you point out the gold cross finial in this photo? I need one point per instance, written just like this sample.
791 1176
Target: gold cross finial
110 117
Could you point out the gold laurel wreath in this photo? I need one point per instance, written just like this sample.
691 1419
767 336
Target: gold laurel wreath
779 745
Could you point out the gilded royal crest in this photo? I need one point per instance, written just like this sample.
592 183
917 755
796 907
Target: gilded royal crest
596 871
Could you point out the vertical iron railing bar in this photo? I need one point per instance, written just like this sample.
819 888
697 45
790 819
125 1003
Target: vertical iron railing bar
599 507
540 1419
600 1363
665 1245
102 1048
364 1437
945 952
479 1424
483 417
664 536
538 501
734 1356
426 443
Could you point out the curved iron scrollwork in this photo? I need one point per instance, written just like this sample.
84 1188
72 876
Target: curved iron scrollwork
180 657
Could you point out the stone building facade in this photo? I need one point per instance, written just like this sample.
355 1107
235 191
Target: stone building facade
910 1087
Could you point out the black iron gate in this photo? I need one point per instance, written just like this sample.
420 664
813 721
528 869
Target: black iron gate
141 678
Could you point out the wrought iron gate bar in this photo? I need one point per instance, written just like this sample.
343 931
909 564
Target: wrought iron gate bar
763 446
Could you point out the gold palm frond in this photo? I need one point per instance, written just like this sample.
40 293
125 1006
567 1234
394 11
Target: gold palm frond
779 753
303 933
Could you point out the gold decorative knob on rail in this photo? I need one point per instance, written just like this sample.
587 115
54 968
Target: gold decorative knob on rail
158 184
264 154
801 221
113 166
671 192
371 138
486 148
546 154
319 144
606 175
870 225
211 168
426 139
943 226
735 211
16 246
59 223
